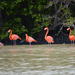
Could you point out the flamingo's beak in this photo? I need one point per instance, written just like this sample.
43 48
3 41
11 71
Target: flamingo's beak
46 28
26 35
9 30
68 28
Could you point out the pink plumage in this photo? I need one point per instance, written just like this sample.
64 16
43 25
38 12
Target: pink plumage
13 36
30 39
71 37
49 39
1 44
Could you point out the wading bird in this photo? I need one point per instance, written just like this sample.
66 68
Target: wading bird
29 39
49 39
13 37
71 37
1 44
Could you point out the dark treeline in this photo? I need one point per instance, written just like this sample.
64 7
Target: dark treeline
31 16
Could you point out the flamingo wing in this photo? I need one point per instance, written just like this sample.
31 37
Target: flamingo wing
49 39
15 37
72 37
30 39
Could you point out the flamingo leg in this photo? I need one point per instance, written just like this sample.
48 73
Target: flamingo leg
11 42
30 44
14 42
73 41
49 44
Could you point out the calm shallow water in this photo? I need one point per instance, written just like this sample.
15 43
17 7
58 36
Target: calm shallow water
37 60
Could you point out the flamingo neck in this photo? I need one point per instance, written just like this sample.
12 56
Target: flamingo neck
27 37
46 33
70 32
10 33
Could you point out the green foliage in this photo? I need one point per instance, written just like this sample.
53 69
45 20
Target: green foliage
42 12
70 21
72 32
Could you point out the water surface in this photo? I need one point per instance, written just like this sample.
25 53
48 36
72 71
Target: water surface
37 60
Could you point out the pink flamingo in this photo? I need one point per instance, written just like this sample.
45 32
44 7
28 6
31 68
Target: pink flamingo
29 39
49 39
13 36
71 37
1 44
